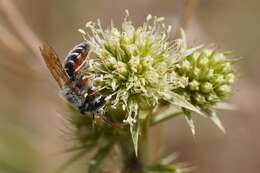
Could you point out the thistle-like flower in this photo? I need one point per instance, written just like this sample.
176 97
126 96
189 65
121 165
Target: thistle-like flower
138 67
210 75
135 67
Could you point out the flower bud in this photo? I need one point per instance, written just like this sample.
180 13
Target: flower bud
199 98
223 90
185 66
194 85
206 87
230 78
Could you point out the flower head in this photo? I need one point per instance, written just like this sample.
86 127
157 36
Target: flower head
134 66
210 75
139 69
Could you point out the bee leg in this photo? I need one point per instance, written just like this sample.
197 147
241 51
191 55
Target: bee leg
93 120
110 123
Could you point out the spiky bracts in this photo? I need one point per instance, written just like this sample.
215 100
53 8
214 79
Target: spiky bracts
135 67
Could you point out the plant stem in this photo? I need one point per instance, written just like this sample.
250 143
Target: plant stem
144 142
133 163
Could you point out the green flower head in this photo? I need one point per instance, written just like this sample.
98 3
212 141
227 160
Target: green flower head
135 66
210 75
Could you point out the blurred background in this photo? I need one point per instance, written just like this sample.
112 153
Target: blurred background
31 129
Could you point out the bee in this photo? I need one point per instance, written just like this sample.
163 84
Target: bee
74 85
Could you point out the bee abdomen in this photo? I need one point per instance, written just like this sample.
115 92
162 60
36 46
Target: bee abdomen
72 97
75 59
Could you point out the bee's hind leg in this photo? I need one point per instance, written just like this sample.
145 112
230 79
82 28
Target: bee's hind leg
94 116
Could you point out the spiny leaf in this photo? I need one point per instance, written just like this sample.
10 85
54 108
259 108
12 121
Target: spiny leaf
189 120
214 117
135 130
134 122
178 100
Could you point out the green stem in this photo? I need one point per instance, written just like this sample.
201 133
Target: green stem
132 163
144 141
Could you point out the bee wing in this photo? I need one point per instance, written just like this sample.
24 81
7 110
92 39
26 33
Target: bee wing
54 65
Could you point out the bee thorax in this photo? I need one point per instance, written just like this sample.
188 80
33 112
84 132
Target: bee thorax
72 97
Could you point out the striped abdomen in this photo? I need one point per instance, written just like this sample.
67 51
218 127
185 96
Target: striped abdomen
75 59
